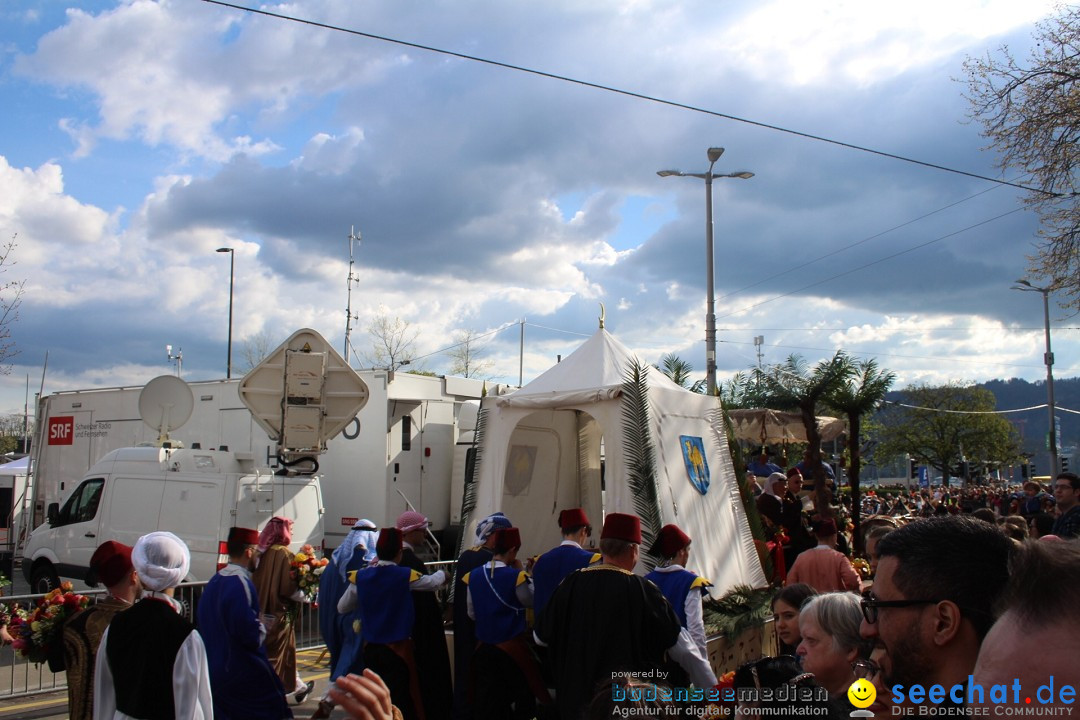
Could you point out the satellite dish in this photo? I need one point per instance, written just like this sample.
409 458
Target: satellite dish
302 394
165 404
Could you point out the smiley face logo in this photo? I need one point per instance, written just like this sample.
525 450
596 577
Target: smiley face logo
862 693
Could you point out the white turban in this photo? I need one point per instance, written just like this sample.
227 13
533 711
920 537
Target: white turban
161 559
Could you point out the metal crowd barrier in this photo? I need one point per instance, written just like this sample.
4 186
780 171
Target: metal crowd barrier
19 676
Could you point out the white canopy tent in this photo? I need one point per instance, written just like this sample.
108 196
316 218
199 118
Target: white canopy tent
541 453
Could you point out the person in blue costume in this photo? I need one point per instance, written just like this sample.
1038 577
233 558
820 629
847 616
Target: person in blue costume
464 627
381 595
243 684
341 633
554 565
682 588
506 674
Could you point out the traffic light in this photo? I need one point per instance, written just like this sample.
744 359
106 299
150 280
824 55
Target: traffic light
913 469
1064 463
1033 471
1025 471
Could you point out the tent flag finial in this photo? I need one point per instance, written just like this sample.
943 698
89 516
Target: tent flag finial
603 313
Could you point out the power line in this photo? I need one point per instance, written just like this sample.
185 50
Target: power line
772 277
864 353
628 93
977 412
869 264
954 328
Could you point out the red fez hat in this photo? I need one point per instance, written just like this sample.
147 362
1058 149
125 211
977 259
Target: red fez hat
669 542
573 518
507 539
243 535
620 526
794 471
389 543
825 528
110 563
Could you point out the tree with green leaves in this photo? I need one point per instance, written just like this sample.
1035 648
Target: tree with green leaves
856 397
1030 112
743 390
679 371
941 426
793 385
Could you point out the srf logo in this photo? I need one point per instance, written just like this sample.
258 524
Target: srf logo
61 430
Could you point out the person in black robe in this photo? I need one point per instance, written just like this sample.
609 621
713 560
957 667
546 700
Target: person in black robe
791 516
604 621
464 626
429 635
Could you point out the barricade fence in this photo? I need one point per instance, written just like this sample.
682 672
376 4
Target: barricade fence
20 676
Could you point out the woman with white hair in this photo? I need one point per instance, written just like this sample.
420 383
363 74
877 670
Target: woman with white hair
152 662
829 625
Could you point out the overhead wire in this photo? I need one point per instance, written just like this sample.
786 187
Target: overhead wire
978 412
685 106
627 93
870 264
773 276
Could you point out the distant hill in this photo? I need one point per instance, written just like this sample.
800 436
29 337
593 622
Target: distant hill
1016 393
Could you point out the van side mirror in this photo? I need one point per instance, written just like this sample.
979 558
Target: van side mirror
53 513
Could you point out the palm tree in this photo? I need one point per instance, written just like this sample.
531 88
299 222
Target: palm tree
678 371
859 394
791 385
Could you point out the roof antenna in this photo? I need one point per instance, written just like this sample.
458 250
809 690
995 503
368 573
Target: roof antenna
603 314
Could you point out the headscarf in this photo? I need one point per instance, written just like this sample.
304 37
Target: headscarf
363 535
161 559
490 524
411 520
774 478
278 531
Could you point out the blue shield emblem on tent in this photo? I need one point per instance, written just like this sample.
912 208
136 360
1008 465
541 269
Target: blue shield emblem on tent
697 468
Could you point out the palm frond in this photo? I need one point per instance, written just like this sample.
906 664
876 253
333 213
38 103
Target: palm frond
468 495
720 419
743 607
640 456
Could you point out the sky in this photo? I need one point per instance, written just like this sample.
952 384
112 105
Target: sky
137 137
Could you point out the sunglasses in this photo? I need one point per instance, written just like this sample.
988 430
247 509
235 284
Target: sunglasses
870 605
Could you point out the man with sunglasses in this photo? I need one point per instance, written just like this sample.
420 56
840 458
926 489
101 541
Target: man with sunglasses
932 601
1067 495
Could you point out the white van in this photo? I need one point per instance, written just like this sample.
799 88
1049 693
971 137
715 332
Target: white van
196 494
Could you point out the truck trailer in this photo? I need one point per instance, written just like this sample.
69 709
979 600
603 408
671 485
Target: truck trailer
397 454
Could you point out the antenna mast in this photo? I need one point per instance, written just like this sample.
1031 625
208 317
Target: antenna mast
354 238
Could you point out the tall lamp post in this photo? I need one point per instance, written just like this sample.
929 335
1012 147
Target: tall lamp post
232 278
710 307
1048 358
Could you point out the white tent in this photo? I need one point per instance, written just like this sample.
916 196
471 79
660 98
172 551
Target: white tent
541 453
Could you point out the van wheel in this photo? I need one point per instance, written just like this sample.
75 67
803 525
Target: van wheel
44 579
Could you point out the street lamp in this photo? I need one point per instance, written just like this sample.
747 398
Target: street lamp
232 277
1048 358
710 310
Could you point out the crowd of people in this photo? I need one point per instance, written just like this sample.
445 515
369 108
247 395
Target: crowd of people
960 601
